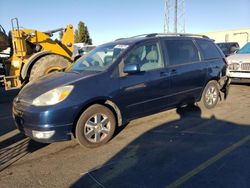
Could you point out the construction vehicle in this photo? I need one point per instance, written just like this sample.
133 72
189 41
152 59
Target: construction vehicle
33 54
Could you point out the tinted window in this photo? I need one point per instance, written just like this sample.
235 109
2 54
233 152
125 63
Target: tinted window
147 56
181 51
208 49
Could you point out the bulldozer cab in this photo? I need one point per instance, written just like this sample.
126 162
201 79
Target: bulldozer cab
4 39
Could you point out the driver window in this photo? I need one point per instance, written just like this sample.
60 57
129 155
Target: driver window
147 56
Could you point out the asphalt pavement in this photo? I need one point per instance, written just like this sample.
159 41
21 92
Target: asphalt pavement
185 147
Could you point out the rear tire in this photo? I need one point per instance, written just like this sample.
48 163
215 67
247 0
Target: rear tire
210 95
48 64
96 126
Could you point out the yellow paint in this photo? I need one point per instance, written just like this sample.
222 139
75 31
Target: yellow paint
52 69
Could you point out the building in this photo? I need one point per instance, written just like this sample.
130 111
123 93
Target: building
242 36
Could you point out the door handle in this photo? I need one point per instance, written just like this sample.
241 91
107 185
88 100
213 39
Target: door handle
163 74
173 72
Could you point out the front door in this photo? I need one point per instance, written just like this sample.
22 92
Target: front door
144 92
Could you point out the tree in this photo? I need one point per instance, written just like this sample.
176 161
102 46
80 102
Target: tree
76 36
88 40
82 34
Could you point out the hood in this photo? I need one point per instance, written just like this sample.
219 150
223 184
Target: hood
35 88
238 58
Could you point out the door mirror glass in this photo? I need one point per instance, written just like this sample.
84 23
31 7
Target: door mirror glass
131 68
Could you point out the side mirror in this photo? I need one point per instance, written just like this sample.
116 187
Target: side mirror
131 68
236 51
233 49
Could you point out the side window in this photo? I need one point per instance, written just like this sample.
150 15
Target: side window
208 49
181 51
147 56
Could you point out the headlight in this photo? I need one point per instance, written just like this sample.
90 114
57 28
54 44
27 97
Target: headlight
53 96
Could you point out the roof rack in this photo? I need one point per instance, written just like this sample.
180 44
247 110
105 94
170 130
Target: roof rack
167 34
172 34
142 35
119 39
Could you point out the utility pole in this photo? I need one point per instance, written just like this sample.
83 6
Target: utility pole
166 17
174 16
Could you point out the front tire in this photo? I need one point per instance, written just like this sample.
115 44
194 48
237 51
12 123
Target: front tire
210 95
48 64
96 126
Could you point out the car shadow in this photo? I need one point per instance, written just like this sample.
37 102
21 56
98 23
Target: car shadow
15 148
7 96
190 152
6 122
13 145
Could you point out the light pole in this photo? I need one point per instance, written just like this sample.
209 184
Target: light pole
243 33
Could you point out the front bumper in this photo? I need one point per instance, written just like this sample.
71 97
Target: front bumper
239 76
241 80
22 118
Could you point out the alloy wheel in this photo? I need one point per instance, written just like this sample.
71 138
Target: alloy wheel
97 128
211 96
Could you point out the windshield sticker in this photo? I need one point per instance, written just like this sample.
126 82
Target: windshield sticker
121 46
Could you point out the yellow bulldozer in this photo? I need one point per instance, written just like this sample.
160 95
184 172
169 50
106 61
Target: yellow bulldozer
32 54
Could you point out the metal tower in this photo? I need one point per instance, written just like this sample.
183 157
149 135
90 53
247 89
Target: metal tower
174 16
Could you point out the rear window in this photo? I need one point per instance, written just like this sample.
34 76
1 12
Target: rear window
208 49
181 51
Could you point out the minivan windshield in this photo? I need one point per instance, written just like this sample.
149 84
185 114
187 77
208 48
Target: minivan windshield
245 49
98 59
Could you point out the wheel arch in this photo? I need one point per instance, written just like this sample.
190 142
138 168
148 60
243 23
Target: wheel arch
28 65
109 103
216 79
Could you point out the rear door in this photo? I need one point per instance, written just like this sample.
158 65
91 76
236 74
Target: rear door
187 71
212 57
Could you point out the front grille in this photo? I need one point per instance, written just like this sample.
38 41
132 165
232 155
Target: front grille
234 66
245 66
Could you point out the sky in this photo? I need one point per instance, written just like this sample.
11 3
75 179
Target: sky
108 20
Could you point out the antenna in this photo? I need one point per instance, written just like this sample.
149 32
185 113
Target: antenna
174 16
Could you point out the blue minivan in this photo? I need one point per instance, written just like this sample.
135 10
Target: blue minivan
121 81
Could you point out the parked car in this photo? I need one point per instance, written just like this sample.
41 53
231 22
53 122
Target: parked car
228 48
239 65
118 82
